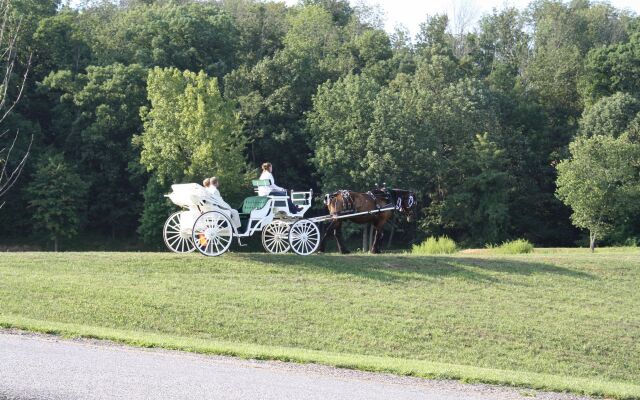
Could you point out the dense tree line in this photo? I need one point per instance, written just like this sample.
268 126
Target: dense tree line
125 98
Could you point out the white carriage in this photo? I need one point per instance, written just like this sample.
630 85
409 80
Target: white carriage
206 226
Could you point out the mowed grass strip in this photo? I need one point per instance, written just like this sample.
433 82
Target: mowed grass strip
559 320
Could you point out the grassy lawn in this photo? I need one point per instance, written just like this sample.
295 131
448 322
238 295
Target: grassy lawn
560 320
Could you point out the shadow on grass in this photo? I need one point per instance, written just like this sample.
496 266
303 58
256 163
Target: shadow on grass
404 268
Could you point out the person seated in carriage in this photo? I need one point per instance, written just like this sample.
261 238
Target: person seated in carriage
274 190
211 184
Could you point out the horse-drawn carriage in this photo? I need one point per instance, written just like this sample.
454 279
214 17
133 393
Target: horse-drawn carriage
206 226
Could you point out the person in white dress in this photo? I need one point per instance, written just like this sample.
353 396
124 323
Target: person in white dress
272 189
229 211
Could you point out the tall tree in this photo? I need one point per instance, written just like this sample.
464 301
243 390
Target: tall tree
94 120
56 198
190 132
195 36
601 184
274 94
612 69
610 116
339 128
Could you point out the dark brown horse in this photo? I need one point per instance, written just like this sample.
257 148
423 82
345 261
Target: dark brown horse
344 202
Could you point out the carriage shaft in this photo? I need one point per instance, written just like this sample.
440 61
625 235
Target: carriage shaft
328 217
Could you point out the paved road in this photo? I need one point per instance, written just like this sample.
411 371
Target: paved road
45 367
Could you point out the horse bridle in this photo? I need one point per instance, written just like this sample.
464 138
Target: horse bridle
400 202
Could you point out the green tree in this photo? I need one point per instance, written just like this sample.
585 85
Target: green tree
57 198
478 206
611 116
194 35
339 127
61 44
190 131
401 143
261 28
275 93
601 183
613 68
94 120
157 209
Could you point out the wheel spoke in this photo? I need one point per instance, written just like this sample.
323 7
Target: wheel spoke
174 240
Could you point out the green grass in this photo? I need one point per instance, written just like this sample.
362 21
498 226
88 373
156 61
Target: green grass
435 245
555 320
519 246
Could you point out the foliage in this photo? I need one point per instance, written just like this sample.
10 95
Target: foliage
157 209
435 245
613 68
194 35
600 183
94 117
339 128
519 246
610 116
475 121
62 43
57 196
191 132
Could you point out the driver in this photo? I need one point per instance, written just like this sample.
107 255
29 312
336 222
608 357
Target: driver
273 189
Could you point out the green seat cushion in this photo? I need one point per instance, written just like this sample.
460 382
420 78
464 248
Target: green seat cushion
260 182
253 203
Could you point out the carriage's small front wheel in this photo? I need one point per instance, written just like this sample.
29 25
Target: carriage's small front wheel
304 237
275 237
212 233
176 237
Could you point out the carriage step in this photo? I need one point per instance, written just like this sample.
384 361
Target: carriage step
240 243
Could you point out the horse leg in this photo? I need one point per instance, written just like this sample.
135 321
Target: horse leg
375 247
338 234
328 231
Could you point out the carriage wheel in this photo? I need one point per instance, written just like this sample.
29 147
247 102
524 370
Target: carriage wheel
275 237
212 233
304 237
175 238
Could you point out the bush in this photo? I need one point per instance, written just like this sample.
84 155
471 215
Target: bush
520 246
436 245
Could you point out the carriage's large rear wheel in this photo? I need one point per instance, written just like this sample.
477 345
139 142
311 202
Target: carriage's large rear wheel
212 233
176 237
304 237
275 237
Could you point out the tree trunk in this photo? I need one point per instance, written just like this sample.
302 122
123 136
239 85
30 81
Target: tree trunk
365 240
371 236
55 244
592 241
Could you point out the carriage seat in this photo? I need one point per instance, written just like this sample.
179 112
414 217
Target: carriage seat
249 204
253 203
260 182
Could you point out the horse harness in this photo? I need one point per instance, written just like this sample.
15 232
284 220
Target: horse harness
347 200
392 198
389 196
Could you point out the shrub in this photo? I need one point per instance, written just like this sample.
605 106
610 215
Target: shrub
520 246
436 245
